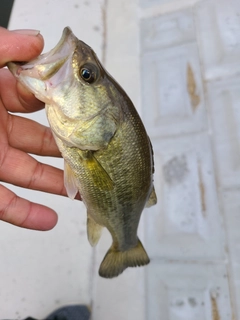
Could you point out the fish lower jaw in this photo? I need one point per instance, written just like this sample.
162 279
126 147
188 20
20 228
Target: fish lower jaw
42 90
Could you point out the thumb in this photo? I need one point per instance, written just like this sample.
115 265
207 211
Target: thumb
19 45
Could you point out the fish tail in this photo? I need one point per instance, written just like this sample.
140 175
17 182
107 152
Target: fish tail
115 262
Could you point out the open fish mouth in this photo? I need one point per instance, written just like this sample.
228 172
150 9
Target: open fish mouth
39 73
47 64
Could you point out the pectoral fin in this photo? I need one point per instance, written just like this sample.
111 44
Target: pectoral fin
94 231
99 175
70 181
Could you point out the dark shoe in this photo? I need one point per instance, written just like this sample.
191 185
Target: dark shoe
68 313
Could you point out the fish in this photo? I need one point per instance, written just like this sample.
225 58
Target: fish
108 156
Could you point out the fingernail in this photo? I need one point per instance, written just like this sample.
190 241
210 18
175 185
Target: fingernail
28 32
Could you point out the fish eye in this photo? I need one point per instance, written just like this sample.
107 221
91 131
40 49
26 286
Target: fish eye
89 73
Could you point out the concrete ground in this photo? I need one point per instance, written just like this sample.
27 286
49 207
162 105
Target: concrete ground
179 61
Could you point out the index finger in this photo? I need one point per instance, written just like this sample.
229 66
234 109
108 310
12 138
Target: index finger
15 97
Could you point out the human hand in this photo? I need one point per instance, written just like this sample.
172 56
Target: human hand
20 136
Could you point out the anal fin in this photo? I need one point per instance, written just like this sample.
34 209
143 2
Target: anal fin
94 231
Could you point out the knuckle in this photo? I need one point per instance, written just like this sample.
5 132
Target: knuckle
47 138
5 211
3 155
36 175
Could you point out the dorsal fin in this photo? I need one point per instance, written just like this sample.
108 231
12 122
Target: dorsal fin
152 200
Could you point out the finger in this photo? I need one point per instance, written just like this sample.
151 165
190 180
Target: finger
22 170
23 213
31 137
15 46
15 97
19 45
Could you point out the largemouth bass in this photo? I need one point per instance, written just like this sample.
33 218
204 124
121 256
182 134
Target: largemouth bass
107 153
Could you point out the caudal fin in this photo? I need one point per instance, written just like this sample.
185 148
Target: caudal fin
115 262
